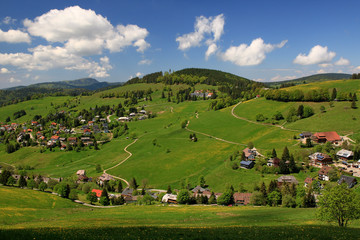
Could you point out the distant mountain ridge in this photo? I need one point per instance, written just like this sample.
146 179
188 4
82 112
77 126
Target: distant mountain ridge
83 83
309 79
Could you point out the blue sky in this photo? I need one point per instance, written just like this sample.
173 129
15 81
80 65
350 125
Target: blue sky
112 40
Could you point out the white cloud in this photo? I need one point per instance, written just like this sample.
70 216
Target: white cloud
321 71
342 62
212 28
211 50
249 55
138 74
76 34
14 80
8 20
325 65
281 78
317 55
14 36
4 71
145 62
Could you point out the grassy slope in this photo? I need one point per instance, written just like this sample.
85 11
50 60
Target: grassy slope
28 213
347 85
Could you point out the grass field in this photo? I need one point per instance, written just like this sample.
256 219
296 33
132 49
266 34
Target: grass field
31 214
346 85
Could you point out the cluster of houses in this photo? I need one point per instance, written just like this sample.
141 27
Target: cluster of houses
250 155
141 115
202 94
322 137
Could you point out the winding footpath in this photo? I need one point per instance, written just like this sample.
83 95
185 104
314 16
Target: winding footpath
258 123
130 154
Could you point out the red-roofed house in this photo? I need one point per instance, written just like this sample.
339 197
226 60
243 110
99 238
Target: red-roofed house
53 124
322 137
34 123
98 192
308 181
55 138
242 198
324 173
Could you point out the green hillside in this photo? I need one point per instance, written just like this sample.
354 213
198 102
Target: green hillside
309 79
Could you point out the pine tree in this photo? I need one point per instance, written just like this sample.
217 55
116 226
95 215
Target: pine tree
272 186
284 169
22 181
119 187
334 94
169 189
273 154
292 165
133 184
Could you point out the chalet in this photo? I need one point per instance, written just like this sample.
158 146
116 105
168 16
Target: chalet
344 154
53 124
104 178
72 140
62 147
320 159
286 179
169 198
250 154
124 119
242 198
98 192
308 181
132 114
55 138
247 164
199 189
87 131
81 172
127 192
142 112
34 123
349 181
130 199
304 135
273 162
322 137
90 123
324 173
143 117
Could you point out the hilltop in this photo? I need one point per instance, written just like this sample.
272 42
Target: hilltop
308 79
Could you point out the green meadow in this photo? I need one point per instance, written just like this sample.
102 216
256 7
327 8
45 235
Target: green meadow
32 214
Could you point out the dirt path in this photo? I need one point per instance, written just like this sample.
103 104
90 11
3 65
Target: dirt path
208 135
108 118
258 123
130 154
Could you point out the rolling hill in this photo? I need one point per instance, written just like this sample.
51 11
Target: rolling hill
309 79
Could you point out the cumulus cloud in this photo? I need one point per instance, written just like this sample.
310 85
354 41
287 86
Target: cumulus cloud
145 62
208 29
4 70
317 55
281 78
342 62
138 74
249 55
73 34
14 36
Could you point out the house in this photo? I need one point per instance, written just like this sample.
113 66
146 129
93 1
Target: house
320 159
350 181
308 181
250 154
124 119
143 117
90 123
72 140
98 192
286 179
344 154
324 173
247 164
81 172
273 162
105 177
242 198
132 114
34 123
55 138
304 135
127 192
130 199
169 198
322 137
199 189
142 112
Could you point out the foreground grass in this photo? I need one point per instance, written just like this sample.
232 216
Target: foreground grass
28 214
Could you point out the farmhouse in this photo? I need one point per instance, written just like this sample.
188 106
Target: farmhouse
199 189
349 181
308 181
287 179
322 137
320 159
242 198
324 173
250 154
344 154
105 177
247 164
273 162
304 135
98 192
127 192
169 198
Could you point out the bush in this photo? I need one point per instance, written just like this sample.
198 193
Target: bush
104 201
73 195
226 198
86 188
183 197
43 186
